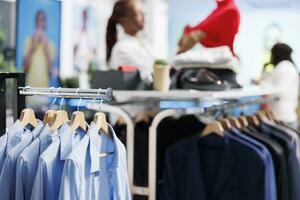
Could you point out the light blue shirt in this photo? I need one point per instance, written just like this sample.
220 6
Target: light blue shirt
27 163
8 173
47 181
10 139
89 176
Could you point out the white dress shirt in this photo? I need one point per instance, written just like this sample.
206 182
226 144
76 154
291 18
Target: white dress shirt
133 51
285 77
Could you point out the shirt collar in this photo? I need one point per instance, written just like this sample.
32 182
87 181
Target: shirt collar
124 36
67 140
94 147
66 137
45 137
16 127
14 135
128 37
37 130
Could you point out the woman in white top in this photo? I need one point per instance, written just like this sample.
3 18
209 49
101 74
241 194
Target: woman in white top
129 50
285 77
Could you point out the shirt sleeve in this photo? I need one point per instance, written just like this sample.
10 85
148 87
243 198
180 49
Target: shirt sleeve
3 140
40 182
218 27
21 177
6 180
70 183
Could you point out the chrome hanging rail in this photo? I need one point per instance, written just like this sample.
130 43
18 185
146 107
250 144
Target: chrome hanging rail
71 93
237 104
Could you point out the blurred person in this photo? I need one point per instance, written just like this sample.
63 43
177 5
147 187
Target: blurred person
284 77
39 54
218 29
272 35
84 50
130 49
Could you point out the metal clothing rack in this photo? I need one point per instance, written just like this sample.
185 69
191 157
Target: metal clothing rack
151 190
19 80
71 93
237 104
100 94
230 99
18 101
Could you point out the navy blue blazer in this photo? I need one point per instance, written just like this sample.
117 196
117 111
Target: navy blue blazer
212 168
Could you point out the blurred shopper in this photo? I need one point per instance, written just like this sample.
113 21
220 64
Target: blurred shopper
84 50
39 54
218 29
285 77
130 49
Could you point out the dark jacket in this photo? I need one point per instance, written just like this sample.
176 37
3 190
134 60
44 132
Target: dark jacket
279 160
292 162
211 168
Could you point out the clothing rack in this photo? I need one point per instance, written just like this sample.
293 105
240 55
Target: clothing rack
71 93
74 93
229 100
230 104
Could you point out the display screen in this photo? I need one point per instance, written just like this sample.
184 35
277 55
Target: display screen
38 41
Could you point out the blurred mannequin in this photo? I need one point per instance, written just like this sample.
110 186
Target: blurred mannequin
39 54
285 77
130 49
218 29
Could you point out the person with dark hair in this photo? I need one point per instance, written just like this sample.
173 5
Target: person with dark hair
39 53
130 49
285 77
281 52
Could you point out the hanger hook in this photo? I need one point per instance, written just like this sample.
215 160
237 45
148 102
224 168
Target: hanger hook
61 102
25 88
101 103
62 99
51 89
78 105
56 96
98 93
101 100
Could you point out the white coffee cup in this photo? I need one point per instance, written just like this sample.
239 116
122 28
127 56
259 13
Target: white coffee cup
161 77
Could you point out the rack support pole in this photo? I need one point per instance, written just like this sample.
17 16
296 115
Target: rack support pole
18 102
153 149
2 104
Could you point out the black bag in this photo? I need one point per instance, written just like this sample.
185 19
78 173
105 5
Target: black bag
206 79
118 80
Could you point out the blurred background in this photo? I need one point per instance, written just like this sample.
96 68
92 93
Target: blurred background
263 23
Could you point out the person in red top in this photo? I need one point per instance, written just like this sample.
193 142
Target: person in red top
218 29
